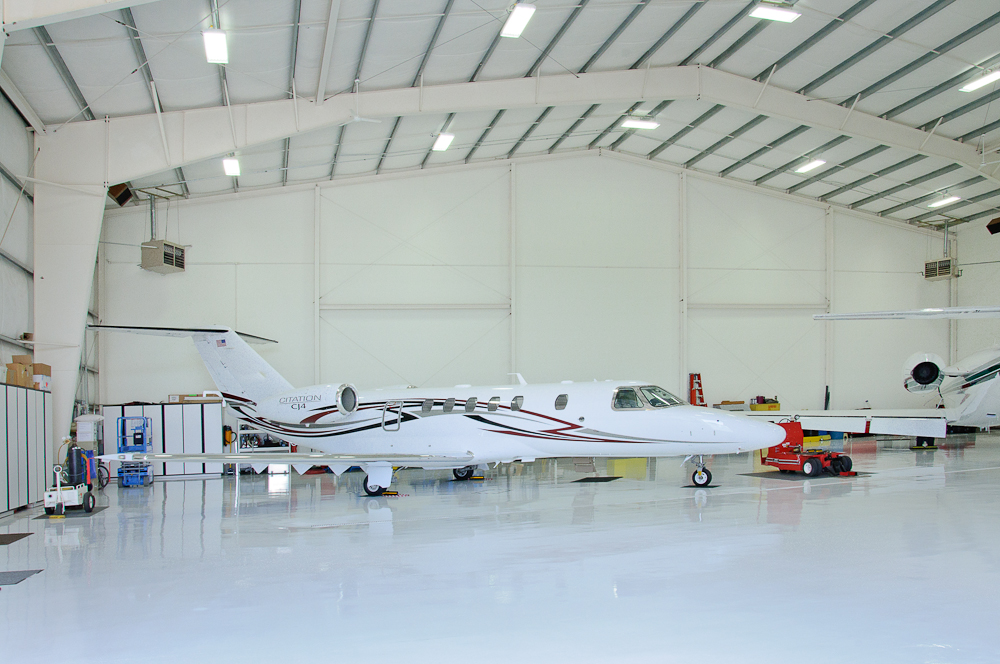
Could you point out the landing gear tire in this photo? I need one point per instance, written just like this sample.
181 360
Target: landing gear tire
701 477
923 441
50 510
89 502
462 474
373 490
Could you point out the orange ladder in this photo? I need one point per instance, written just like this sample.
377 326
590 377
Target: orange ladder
696 395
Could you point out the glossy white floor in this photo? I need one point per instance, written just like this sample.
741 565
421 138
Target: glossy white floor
897 566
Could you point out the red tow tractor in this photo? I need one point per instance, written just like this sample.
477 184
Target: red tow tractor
791 456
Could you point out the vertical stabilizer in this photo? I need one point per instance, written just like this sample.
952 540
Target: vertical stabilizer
235 367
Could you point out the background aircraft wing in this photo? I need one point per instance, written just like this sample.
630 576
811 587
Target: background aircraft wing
313 458
929 314
928 422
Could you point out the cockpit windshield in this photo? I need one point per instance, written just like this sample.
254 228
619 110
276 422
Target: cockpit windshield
626 398
659 397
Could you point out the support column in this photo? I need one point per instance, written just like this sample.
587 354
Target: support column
682 281
316 284
830 242
513 269
67 230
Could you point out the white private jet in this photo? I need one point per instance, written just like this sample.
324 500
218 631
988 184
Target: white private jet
968 393
459 428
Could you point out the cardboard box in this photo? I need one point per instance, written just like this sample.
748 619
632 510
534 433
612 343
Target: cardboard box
192 398
19 374
42 382
21 359
41 370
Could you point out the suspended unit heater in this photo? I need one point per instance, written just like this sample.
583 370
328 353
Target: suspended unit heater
162 256
942 269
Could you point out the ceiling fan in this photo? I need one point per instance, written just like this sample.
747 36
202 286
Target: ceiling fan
356 114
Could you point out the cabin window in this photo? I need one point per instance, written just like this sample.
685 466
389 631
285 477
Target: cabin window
659 397
449 405
426 406
516 402
561 401
626 398
494 404
470 404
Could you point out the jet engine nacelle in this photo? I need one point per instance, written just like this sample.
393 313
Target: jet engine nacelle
923 372
319 404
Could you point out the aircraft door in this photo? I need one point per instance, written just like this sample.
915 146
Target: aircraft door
392 415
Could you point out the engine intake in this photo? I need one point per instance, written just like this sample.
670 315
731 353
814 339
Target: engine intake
311 406
923 372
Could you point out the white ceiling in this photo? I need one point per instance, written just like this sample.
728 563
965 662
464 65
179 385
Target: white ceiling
102 62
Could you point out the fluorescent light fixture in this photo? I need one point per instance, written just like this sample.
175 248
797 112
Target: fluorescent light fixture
986 79
216 51
773 12
637 123
944 201
517 20
231 165
805 168
442 142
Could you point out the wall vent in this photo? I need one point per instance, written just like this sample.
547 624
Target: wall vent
942 269
163 257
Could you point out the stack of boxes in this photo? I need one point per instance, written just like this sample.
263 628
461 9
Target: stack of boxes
23 372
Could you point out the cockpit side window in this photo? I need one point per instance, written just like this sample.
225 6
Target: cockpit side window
659 397
626 398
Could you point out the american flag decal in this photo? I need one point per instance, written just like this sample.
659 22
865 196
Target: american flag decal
221 343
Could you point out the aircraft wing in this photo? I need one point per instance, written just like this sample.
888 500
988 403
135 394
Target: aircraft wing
927 314
301 461
928 422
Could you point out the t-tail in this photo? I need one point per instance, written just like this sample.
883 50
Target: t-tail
235 367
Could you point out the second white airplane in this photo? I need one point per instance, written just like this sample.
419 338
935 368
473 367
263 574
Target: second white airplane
460 427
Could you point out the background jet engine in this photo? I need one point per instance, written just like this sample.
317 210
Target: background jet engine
316 405
923 372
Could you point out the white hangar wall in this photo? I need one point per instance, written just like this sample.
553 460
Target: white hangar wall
562 268
979 262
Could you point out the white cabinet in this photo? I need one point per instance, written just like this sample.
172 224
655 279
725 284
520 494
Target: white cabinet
25 445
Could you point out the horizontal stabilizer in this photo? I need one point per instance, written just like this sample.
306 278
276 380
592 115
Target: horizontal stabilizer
931 423
311 458
927 314
182 332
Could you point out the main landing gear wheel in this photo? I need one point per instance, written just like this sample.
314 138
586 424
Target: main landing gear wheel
701 477
373 490
463 474
923 441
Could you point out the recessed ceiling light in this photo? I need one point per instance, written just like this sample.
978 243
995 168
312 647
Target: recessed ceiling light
216 51
805 168
774 12
944 201
231 165
637 123
442 142
986 79
517 20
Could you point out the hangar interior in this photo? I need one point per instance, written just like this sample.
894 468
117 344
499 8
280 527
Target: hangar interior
773 171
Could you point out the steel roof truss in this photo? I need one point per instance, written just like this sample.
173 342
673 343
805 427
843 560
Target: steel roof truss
767 148
64 73
671 31
837 168
694 124
798 161
906 185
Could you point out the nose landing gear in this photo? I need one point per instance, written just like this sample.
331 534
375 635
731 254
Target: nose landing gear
702 476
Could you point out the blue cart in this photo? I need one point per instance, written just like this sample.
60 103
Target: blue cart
134 434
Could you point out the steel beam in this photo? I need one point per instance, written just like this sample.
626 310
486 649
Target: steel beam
616 123
331 33
740 15
388 142
486 132
872 176
906 185
817 36
24 14
784 138
954 81
885 39
357 79
558 36
296 18
934 54
64 73
684 131
6 174
798 161
837 168
739 131
743 40
531 129
628 132
21 103
982 131
960 204
444 128
934 194
614 35
573 127
671 31
961 110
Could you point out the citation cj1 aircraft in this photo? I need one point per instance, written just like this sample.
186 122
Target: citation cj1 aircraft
456 428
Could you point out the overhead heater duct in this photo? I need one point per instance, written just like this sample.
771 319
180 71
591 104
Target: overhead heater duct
120 193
